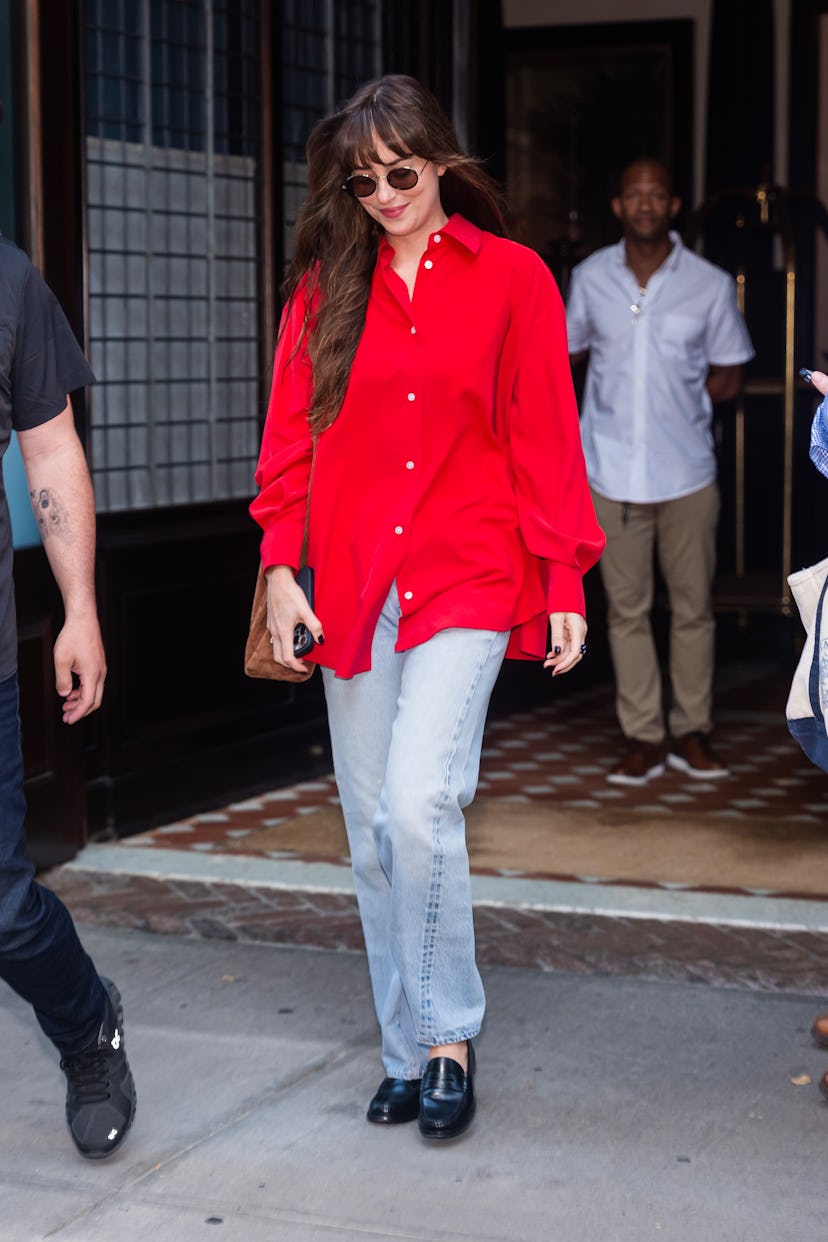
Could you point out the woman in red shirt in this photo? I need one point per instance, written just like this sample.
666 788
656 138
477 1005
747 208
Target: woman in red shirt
422 377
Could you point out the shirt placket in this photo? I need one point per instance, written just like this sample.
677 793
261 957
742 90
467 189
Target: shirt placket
411 438
640 348
423 298
642 312
408 461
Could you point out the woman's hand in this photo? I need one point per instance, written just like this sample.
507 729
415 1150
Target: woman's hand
286 607
568 632
820 381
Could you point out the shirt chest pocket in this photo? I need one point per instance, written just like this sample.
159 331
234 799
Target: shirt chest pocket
682 337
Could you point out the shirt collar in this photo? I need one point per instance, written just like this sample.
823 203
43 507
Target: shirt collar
672 260
464 232
457 227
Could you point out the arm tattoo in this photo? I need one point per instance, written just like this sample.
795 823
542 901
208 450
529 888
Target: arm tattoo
50 514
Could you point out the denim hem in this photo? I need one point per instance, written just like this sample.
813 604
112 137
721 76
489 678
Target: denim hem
453 1037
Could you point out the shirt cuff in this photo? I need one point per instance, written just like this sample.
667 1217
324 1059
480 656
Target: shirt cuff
281 547
566 589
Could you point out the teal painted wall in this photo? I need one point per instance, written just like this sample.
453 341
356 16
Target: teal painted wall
24 528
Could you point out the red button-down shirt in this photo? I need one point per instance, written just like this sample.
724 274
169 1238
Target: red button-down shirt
454 466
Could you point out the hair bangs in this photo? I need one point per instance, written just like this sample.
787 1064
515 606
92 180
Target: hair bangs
376 122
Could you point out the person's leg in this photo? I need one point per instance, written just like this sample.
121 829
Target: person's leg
406 739
432 771
361 712
433 767
627 575
41 957
687 556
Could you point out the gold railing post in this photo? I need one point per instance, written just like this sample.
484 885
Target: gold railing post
740 451
787 502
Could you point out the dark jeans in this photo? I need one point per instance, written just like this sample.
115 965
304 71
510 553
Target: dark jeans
40 954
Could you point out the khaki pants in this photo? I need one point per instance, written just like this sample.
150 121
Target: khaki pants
683 533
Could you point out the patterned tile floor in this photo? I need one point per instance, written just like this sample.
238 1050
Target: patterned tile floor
539 755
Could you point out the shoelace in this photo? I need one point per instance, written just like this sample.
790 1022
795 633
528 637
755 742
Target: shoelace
88 1075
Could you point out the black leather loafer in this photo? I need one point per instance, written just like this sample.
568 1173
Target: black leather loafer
447 1100
397 1100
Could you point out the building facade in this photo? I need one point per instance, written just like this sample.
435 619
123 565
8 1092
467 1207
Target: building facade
152 164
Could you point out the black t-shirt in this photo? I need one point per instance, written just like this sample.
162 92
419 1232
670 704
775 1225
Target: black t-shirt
40 362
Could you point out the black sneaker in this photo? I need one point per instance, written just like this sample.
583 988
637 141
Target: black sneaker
100 1094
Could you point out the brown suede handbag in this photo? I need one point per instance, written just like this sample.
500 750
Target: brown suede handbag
258 651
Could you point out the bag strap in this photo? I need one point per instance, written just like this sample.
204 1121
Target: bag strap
303 556
813 680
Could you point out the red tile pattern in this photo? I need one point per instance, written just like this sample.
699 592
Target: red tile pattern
564 754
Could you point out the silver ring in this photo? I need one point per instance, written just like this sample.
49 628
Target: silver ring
583 648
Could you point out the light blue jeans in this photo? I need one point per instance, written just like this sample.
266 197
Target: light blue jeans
406 740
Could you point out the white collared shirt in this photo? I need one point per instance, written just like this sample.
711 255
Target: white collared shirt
646 413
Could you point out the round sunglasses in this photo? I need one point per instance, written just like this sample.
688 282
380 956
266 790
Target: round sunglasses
361 185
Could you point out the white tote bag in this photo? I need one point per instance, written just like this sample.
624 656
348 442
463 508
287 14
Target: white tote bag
807 709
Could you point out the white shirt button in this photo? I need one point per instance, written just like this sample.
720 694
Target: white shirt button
409 465
437 237
398 530
413 330
411 396
428 264
408 595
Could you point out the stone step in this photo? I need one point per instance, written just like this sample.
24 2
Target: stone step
744 940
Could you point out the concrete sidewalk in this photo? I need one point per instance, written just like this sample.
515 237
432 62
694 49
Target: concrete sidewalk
610 1110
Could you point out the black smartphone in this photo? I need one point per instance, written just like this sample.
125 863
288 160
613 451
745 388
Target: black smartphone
303 640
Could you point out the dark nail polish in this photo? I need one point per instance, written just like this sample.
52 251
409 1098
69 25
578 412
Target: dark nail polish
321 640
557 650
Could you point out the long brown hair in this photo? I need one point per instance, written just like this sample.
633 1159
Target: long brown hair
336 241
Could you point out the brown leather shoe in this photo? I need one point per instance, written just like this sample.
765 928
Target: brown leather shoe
819 1030
693 755
642 762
